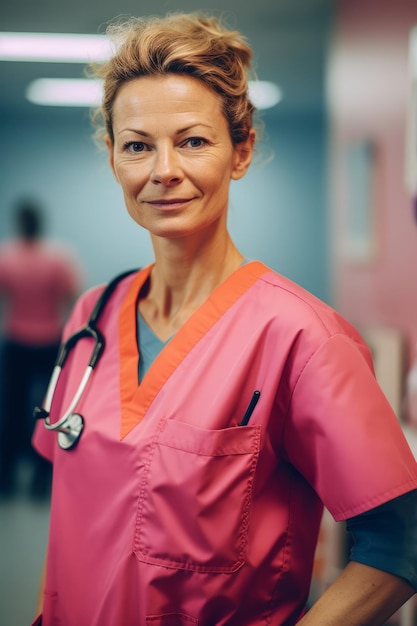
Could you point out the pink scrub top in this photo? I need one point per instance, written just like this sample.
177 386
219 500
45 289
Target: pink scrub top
167 512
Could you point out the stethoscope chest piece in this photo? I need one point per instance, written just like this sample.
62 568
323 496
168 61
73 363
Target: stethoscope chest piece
69 436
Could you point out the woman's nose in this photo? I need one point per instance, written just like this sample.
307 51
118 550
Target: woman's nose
166 168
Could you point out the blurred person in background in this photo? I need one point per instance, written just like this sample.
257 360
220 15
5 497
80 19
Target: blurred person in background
38 284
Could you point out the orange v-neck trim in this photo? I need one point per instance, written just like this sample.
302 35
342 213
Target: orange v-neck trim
135 398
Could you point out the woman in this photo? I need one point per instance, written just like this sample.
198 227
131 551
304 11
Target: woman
229 404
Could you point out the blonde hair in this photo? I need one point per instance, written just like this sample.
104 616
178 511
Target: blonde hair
181 43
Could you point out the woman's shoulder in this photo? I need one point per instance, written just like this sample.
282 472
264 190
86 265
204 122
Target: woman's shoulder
297 306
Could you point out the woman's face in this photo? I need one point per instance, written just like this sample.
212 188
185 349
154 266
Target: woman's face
173 155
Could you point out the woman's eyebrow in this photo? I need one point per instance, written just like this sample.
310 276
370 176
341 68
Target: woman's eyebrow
192 126
133 130
180 131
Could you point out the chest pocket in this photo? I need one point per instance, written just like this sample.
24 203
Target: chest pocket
195 498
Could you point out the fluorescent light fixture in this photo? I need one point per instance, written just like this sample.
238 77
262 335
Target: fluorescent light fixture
68 92
54 48
264 94
76 48
88 93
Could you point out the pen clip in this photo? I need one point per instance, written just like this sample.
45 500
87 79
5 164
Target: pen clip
251 407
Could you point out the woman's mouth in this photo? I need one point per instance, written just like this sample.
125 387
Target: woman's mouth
168 203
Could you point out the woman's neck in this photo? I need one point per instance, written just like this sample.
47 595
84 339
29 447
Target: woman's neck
182 279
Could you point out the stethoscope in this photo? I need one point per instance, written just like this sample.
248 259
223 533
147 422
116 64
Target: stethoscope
71 424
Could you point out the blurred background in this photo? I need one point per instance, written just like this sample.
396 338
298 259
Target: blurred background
330 201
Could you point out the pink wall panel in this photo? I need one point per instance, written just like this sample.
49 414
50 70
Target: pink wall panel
368 86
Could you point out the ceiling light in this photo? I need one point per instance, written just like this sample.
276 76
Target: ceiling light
76 48
88 93
65 92
264 94
55 48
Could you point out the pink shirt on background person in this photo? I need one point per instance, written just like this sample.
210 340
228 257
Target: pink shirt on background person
38 280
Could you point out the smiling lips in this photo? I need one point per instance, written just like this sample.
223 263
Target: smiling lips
169 202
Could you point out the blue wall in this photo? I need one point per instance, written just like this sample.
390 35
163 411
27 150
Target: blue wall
277 212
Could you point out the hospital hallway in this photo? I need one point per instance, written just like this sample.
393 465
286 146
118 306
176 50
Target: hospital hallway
23 535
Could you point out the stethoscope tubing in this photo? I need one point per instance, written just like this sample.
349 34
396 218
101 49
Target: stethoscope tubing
69 427
61 423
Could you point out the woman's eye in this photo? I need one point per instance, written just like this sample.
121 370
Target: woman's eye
195 142
135 146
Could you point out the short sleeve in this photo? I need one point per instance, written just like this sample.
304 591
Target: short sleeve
342 434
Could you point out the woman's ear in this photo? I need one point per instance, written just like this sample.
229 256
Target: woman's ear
110 149
243 155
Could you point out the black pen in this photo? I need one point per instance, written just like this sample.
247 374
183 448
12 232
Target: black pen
250 409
